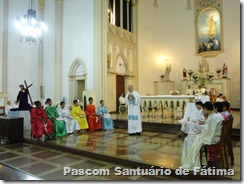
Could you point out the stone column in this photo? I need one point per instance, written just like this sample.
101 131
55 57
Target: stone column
121 13
5 48
128 20
58 49
100 50
40 59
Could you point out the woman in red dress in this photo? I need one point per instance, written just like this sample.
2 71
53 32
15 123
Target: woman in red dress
40 124
94 120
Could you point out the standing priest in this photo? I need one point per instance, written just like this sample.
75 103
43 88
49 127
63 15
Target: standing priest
133 100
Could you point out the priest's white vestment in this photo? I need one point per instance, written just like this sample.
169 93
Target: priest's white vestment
134 112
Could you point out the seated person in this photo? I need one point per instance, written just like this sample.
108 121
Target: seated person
40 124
210 135
189 91
199 91
122 99
219 98
107 119
58 122
193 124
218 108
7 108
71 124
77 113
226 108
94 120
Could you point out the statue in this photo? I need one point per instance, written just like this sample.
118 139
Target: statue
224 71
184 74
168 70
211 31
203 67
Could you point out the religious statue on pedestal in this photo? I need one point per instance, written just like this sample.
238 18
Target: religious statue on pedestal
224 71
167 72
203 67
184 74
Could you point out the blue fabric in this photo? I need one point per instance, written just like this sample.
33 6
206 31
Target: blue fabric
132 101
131 117
106 123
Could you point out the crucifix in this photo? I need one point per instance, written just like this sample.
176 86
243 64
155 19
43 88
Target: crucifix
26 87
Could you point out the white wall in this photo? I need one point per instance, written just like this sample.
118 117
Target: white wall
169 31
22 58
78 39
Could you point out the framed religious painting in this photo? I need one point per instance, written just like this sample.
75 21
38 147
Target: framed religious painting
209 37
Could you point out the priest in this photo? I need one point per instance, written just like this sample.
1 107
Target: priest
133 100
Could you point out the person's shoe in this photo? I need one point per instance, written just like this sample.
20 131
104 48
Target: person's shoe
43 138
138 133
132 134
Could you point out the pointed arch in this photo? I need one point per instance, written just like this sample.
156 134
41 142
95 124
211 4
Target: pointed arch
78 68
77 72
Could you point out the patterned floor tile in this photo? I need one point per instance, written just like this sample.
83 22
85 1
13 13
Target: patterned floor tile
7 155
20 161
38 168
46 154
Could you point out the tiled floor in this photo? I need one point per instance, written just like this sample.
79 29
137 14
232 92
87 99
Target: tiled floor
48 164
156 149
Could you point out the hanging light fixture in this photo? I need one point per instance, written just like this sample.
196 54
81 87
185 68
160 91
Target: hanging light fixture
30 28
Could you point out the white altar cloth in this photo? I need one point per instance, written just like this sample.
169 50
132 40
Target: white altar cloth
21 114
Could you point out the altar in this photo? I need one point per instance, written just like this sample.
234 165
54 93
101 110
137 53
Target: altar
221 85
173 105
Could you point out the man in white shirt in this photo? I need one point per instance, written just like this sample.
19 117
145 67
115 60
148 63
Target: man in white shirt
189 91
7 108
122 99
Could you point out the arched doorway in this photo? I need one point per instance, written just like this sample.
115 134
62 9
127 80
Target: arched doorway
121 69
77 79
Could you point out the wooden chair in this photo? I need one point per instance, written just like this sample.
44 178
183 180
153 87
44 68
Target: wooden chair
221 146
228 139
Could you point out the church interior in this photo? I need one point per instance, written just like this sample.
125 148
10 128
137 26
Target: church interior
93 48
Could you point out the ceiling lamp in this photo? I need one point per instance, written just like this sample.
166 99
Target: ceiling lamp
30 28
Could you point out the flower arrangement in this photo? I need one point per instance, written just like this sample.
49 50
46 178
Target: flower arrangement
218 70
195 76
190 72
210 75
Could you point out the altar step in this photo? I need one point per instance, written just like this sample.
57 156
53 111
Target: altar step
165 128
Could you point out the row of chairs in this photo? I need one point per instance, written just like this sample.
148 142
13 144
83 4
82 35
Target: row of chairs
224 145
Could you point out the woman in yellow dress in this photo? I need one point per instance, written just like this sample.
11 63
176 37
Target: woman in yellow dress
77 113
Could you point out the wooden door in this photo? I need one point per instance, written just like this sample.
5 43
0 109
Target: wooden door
120 88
